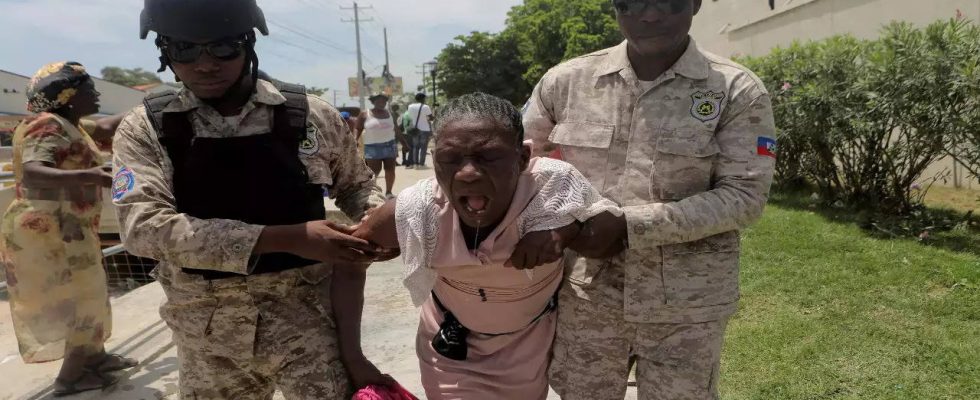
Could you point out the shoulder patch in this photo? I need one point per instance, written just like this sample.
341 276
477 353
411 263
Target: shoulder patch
311 144
767 147
123 183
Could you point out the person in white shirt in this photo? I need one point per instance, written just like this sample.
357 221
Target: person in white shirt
419 129
377 127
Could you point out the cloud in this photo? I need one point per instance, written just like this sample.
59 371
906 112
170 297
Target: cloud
308 44
89 22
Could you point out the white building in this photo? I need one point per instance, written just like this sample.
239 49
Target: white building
115 98
748 27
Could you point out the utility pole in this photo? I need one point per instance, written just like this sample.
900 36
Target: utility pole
433 66
387 63
335 97
425 76
360 64
387 75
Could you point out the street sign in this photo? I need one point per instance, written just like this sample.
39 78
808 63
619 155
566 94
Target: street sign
392 86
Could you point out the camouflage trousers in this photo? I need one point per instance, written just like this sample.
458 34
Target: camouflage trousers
595 348
241 338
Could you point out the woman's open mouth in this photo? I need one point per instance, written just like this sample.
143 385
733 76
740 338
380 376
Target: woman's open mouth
475 205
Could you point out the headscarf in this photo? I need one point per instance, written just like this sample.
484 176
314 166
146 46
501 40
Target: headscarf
53 86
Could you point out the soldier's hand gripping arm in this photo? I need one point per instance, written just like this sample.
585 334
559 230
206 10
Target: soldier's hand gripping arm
354 189
543 247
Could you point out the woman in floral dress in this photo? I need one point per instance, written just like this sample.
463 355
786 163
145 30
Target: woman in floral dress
57 284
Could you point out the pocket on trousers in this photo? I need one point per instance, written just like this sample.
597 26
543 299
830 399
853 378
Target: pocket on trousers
190 317
702 273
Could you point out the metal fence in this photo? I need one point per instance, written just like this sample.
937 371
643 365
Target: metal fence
125 271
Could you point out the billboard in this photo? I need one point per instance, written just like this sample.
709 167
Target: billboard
392 86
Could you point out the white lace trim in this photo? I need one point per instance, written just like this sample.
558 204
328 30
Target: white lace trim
564 196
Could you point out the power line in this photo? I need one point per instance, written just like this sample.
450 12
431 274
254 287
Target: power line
377 14
310 37
304 48
312 4
360 66
283 56
336 4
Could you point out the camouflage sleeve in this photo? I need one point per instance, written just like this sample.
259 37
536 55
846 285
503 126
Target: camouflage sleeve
45 141
353 188
539 117
149 223
742 175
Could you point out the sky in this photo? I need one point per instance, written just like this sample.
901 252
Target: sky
308 42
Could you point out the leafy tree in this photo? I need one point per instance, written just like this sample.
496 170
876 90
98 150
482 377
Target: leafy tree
129 77
551 31
316 91
862 120
962 63
539 35
483 62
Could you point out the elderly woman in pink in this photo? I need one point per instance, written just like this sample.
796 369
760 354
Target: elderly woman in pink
482 243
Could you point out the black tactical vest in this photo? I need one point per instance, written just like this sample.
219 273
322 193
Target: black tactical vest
255 179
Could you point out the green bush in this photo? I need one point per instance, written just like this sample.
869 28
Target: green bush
861 120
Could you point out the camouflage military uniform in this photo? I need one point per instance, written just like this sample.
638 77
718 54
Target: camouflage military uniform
689 158
239 338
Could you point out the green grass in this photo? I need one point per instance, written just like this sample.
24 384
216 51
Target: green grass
962 200
831 312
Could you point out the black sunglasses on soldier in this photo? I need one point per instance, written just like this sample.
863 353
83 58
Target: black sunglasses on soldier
636 7
187 52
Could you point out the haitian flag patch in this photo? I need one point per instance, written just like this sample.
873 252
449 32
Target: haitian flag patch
767 147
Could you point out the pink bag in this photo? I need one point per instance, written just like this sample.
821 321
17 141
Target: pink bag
377 392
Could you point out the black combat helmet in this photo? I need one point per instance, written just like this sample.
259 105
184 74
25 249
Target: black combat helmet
201 19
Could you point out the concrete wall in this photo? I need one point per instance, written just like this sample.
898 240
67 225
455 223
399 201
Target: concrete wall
748 27
115 98
13 99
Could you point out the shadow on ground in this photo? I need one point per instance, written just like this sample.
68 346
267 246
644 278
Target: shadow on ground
935 227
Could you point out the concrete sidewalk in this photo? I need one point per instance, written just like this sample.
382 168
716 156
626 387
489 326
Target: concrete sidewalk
388 335
389 325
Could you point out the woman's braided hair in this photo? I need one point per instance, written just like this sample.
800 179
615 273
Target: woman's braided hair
483 106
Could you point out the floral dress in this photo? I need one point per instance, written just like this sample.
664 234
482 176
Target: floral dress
58 292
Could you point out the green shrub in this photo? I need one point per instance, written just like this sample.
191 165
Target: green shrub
861 120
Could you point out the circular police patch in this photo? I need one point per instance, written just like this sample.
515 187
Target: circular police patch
707 105
123 183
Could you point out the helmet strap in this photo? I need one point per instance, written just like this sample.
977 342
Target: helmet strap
250 69
164 58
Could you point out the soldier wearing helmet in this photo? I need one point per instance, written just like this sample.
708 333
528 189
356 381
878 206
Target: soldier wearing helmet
223 183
